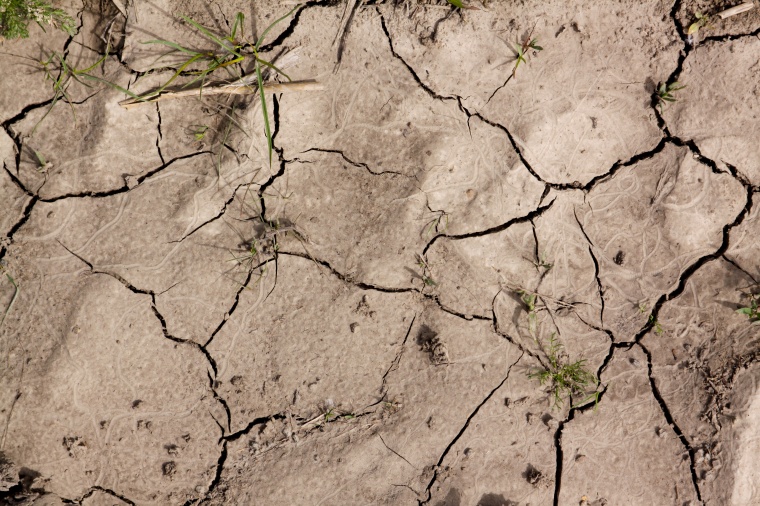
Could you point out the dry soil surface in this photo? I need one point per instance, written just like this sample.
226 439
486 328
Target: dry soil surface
361 320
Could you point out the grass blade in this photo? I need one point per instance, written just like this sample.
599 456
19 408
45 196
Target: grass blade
172 45
267 130
261 39
222 43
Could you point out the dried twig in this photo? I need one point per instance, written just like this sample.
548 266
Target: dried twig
733 11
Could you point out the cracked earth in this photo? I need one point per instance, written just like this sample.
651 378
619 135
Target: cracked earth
191 324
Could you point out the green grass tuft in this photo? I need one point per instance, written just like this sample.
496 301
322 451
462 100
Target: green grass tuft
15 16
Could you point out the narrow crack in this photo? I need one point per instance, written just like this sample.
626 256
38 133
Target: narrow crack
590 404
108 491
414 75
359 165
125 187
395 452
599 287
217 216
493 230
729 37
235 302
345 278
462 431
396 360
253 423
669 418
160 136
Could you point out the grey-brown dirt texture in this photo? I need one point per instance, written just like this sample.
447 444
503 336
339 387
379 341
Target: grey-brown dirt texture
365 319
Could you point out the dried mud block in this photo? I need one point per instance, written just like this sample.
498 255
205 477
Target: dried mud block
13 200
302 339
650 223
724 125
192 295
627 436
469 272
388 451
697 365
103 391
343 461
375 115
506 454
566 262
579 105
746 447
91 145
380 217
744 242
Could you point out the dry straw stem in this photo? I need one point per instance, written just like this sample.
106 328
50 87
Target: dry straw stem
236 88
733 11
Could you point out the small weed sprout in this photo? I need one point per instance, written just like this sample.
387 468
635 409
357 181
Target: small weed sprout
541 263
655 324
440 221
522 50
751 311
61 73
529 299
198 132
425 276
42 163
15 16
703 21
565 379
665 93
460 5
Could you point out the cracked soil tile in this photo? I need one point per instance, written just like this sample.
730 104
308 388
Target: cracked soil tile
624 452
167 207
697 362
565 107
724 125
91 145
642 227
305 340
387 453
104 398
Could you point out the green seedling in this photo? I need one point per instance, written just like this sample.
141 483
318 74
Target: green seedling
42 164
541 263
231 52
439 222
751 311
565 379
703 21
61 74
425 276
655 324
665 93
15 16
529 299
15 293
198 132
522 50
